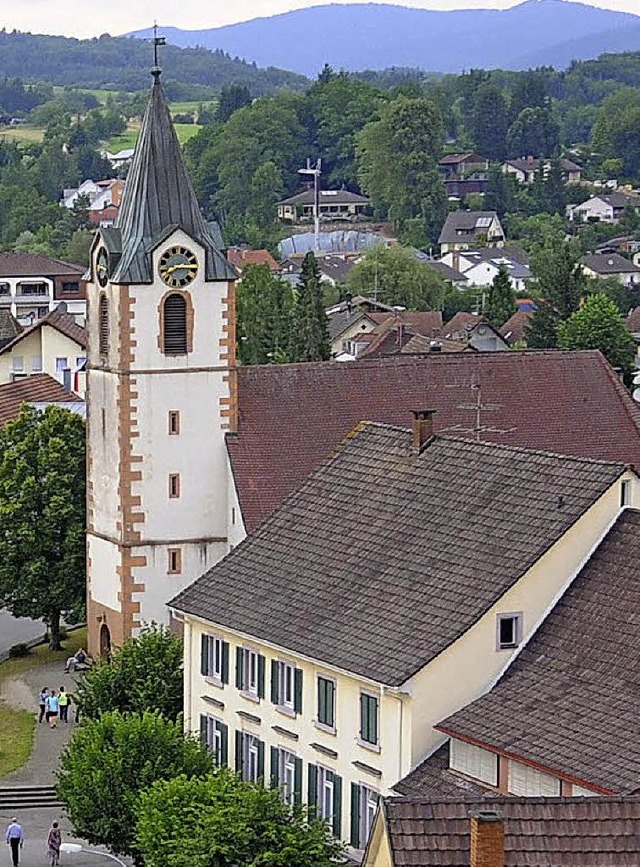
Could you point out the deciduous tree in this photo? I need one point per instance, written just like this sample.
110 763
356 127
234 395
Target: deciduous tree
599 325
42 516
395 276
265 317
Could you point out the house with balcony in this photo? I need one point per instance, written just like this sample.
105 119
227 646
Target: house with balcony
525 170
32 285
464 173
333 205
396 586
55 345
466 230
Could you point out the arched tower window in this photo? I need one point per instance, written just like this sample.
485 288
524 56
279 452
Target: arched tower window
103 324
174 322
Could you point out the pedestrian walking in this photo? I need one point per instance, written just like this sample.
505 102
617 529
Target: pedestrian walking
15 839
63 704
54 841
52 709
42 702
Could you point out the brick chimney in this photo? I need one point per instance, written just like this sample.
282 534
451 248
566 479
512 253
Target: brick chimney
487 839
422 427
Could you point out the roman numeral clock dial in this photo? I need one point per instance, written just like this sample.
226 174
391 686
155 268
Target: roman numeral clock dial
178 266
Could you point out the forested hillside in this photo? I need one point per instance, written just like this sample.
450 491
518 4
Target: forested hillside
119 63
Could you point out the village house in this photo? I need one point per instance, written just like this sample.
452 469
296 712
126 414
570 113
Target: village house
31 285
480 267
515 328
464 173
604 208
39 390
525 170
333 205
467 230
599 265
323 664
505 832
240 257
55 345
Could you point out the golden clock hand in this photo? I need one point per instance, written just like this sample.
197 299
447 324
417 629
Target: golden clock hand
182 266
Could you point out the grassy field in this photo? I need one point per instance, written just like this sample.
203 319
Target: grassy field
128 139
22 134
17 727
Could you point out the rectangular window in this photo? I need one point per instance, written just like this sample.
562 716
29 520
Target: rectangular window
61 365
325 796
325 803
326 702
17 363
214 658
36 364
80 360
625 493
509 631
175 561
174 422
249 757
369 718
250 667
287 775
525 781
364 803
174 485
286 686
214 734
68 288
473 761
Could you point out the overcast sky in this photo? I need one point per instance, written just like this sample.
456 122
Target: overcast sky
86 18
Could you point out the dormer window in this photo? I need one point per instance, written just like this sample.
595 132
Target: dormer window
509 631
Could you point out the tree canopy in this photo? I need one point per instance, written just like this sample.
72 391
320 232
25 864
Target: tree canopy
42 516
395 276
501 299
599 325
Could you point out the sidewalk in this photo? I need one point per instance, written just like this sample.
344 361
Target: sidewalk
22 692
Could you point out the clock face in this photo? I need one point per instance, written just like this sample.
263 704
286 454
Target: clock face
178 266
102 267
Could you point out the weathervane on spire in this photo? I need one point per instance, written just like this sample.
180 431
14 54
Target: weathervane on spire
157 41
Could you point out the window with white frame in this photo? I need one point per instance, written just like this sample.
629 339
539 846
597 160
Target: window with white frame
251 759
250 672
327 702
473 761
526 781
214 658
287 775
508 631
214 735
36 364
368 807
326 793
286 686
625 492
17 363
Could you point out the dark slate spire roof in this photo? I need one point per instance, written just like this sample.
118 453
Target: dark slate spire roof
159 197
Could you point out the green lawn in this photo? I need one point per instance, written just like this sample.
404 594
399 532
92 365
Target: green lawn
185 131
128 139
17 727
22 134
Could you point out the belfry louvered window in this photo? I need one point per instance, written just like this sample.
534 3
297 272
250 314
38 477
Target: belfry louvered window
175 324
103 325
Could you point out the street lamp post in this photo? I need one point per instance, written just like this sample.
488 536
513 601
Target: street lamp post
76 848
315 171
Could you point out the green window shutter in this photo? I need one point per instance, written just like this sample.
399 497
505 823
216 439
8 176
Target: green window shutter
225 662
363 716
275 674
374 720
261 662
204 655
239 659
223 758
355 816
322 700
239 762
330 703
261 760
312 790
203 730
275 769
297 783
297 695
337 806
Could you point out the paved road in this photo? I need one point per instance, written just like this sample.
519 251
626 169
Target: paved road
14 630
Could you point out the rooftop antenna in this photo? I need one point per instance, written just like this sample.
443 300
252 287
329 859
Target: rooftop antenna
157 41
316 171
478 408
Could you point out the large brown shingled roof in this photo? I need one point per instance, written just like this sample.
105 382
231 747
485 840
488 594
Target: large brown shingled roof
39 388
292 416
571 700
539 832
384 556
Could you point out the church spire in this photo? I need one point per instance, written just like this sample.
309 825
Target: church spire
159 197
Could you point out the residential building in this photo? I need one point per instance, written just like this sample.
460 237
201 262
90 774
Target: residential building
9 327
514 329
120 159
332 205
561 718
599 265
525 170
505 832
31 285
480 267
240 257
463 174
55 345
38 390
393 332
465 230
346 655
603 208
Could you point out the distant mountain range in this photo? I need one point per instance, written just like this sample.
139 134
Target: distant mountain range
376 36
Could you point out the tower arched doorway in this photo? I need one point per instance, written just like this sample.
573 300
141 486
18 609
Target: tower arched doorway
105 641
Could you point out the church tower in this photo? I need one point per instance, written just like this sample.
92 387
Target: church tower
161 392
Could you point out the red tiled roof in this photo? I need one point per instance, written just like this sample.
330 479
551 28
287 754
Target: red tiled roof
241 258
35 265
428 323
37 388
292 416
461 321
513 328
58 319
